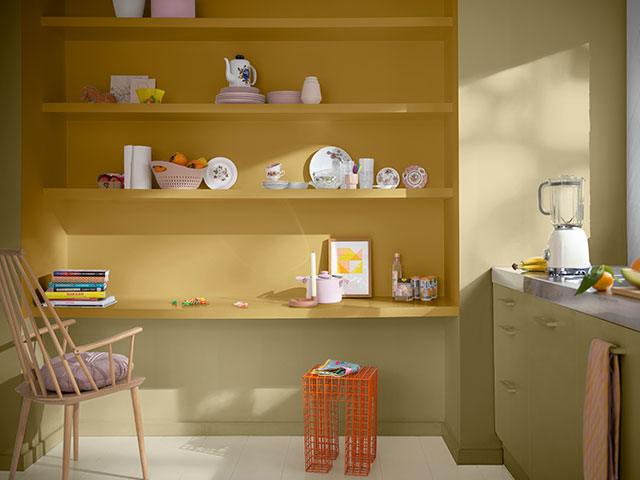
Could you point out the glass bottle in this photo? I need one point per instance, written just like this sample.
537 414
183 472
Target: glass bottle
396 274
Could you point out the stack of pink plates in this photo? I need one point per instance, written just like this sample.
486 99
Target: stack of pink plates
239 95
284 96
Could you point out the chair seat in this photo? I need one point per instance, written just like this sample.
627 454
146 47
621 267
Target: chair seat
69 398
98 365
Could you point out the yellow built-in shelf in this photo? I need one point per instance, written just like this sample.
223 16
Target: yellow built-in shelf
266 308
212 111
249 29
204 194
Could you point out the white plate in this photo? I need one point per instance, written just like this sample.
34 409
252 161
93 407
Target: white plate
221 174
298 185
322 159
275 186
388 178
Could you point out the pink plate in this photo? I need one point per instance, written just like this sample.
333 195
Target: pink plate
415 177
239 101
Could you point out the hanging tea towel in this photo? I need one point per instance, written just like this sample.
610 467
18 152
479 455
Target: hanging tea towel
336 368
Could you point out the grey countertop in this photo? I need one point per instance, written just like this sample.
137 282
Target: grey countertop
616 309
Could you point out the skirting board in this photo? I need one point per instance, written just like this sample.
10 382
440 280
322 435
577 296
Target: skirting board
470 456
33 453
514 467
158 428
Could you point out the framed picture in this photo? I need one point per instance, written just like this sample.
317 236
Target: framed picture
351 258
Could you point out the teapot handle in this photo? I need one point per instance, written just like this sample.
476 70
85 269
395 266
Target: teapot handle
255 75
302 279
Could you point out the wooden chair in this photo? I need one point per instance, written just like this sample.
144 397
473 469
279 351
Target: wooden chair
21 309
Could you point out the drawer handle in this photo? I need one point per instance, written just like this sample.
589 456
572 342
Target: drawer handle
508 330
546 322
507 302
510 386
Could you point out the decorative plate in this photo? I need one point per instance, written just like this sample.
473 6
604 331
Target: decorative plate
388 178
221 174
415 177
323 159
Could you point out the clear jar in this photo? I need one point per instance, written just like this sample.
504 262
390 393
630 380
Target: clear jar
404 290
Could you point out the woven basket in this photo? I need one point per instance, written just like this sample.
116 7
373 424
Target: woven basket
177 177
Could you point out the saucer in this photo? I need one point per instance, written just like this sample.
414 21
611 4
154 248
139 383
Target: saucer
388 178
275 185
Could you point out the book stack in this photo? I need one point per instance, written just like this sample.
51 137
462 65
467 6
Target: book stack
79 288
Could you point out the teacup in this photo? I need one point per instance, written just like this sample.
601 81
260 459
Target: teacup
274 171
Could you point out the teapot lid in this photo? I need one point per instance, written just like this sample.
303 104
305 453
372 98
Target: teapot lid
239 57
325 275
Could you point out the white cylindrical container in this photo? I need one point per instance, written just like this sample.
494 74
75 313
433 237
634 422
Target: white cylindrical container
365 175
137 171
311 91
129 8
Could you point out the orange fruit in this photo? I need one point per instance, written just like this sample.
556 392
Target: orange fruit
604 283
159 169
636 265
178 158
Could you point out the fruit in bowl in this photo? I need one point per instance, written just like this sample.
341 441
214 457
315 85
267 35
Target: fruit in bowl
178 159
199 163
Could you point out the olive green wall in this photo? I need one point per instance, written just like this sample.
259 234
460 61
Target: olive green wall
542 92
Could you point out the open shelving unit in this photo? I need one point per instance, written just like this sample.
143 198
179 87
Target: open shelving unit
389 82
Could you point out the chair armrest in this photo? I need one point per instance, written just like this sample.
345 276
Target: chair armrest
107 341
43 330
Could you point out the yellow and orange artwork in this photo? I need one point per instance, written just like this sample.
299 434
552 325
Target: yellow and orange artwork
349 261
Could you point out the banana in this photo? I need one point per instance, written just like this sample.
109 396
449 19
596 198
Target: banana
533 261
538 267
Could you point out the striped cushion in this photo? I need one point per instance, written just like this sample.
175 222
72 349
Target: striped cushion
98 365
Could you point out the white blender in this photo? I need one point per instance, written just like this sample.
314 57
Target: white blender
567 252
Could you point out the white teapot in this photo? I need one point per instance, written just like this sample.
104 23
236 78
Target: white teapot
239 72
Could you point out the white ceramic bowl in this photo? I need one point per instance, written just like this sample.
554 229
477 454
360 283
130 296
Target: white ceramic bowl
326 179
298 185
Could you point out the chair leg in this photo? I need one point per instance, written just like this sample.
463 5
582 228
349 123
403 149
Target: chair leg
22 425
138 418
66 447
76 430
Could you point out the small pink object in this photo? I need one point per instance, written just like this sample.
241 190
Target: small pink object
241 304
173 8
415 177
351 181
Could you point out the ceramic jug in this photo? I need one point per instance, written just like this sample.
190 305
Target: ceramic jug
239 72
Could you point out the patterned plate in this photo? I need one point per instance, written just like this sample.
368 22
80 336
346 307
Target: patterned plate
415 177
388 178
221 174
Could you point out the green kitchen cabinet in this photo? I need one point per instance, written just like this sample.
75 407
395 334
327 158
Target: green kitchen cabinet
540 357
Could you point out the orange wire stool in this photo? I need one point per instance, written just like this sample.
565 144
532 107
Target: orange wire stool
320 404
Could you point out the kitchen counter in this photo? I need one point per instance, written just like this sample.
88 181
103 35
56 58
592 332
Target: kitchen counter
616 309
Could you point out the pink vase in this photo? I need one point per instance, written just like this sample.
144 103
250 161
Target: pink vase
173 8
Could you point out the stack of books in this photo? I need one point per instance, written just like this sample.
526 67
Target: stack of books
79 288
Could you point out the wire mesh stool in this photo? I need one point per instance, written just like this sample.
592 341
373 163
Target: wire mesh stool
321 397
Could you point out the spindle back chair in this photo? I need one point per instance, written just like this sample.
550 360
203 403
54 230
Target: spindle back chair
23 301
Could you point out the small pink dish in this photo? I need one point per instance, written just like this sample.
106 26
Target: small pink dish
415 177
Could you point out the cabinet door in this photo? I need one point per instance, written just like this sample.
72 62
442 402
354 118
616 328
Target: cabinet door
511 382
587 328
553 382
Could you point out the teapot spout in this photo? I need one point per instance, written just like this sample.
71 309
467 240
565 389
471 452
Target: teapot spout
228 70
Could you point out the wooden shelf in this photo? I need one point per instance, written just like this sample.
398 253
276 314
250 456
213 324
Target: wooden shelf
266 308
203 195
249 29
212 111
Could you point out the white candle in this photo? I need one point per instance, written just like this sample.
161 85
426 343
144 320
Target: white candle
313 274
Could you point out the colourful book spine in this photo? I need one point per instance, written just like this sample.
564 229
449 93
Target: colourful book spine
78 289
57 279
71 295
80 273
77 285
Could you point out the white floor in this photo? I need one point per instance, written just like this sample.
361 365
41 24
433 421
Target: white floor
249 458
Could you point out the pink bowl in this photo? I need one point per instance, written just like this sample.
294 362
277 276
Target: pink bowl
173 8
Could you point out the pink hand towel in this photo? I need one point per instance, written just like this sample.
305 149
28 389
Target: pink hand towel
601 422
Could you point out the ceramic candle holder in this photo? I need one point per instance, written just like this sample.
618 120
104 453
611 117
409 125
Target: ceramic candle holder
351 181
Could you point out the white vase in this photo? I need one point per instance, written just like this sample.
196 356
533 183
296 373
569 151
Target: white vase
311 91
129 8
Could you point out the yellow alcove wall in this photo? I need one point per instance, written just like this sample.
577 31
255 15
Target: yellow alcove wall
173 248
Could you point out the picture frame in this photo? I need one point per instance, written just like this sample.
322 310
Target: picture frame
351 258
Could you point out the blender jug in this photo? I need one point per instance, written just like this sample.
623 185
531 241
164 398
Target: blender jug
566 201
